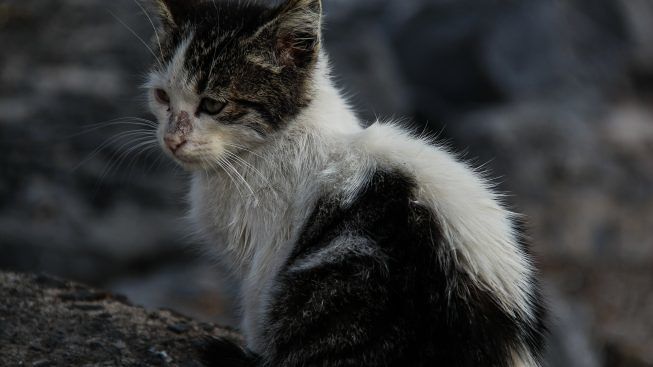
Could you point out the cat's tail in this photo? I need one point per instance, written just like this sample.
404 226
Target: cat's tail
222 352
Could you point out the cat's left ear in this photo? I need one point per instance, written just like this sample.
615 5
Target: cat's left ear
173 12
296 32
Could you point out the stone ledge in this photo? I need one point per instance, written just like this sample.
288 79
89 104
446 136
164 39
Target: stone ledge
46 321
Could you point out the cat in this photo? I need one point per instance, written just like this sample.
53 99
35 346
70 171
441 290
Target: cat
350 245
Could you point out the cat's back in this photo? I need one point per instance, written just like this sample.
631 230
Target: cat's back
479 235
423 254
382 270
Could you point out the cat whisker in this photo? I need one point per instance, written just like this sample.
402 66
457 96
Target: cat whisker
115 164
113 140
135 144
225 167
94 127
217 163
240 176
158 162
245 149
247 165
140 153
156 34
134 121
124 118
130 29
155 163
137 119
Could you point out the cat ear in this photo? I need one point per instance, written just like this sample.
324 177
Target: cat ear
173 12
299 33
295 32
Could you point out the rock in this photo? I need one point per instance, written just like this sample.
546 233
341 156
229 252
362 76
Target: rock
194 289
60 323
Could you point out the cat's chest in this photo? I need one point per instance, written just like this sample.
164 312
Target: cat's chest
240 227
250 237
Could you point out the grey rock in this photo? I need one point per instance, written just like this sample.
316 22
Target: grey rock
40 329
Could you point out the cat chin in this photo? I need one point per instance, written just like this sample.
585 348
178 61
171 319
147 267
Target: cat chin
190 165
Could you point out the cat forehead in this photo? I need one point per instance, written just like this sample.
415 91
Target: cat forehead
192 59
171 73
210 45
211 19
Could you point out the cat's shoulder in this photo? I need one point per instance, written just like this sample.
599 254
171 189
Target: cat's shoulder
432 166
476 225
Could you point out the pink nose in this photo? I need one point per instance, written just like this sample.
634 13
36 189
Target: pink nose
174 142
179 127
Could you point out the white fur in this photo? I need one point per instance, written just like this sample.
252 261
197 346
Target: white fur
477 229
174 78
523 359
338 250
254 226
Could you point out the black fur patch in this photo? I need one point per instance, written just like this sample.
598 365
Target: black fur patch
226 353
387 294
395 299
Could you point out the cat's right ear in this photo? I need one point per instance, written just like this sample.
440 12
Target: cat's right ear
173 12
294 34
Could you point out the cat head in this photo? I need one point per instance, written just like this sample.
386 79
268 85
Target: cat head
230 75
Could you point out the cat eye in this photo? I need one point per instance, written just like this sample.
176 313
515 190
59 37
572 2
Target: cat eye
210 106
162 96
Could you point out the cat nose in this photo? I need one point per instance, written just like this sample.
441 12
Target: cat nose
174 142
180 127
180 124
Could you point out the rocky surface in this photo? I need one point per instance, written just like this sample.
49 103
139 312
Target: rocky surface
552 96
45 321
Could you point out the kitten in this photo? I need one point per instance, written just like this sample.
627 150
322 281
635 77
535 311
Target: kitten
351 246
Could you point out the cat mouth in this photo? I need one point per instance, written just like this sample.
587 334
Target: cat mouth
190 155
187 159
182 157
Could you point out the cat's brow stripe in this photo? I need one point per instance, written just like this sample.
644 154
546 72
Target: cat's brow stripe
261 110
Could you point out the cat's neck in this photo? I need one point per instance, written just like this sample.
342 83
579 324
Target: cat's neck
328 112
259 208
315 135
310 143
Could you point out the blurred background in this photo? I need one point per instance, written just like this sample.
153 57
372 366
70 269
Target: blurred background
553 96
